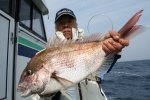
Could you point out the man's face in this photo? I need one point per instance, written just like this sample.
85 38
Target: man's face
65 24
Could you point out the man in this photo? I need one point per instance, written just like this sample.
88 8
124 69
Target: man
66 27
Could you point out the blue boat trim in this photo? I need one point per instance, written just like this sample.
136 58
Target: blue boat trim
26 51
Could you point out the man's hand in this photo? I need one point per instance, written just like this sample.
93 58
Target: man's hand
115 44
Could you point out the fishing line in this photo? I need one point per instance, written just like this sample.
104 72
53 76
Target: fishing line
131 74
100 15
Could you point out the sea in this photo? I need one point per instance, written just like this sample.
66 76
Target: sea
128 80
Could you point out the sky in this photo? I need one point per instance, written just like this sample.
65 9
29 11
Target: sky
109 15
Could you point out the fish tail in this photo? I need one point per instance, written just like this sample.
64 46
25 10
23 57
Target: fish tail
130 30
136 30
128 26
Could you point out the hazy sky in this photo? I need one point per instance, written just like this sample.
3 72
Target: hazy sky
119 11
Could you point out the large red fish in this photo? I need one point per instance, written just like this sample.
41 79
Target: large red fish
65 63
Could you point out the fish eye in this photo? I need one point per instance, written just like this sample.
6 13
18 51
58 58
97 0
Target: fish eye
29 72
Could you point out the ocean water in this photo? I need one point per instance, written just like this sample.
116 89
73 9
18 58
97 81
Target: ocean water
128 81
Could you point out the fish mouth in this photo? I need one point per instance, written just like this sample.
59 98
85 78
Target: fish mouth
25 91
20 89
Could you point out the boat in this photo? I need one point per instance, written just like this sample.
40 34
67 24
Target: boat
22 35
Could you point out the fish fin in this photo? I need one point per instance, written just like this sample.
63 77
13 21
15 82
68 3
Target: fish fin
128 26
136 30
91 38
54 42
60 79
69 93
105 66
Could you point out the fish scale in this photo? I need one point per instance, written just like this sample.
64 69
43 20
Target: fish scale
80 66
77 66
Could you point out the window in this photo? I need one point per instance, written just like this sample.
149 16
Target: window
31 18
5 5
37 25
25 13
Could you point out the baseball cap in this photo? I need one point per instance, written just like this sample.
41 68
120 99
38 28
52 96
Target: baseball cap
64 11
